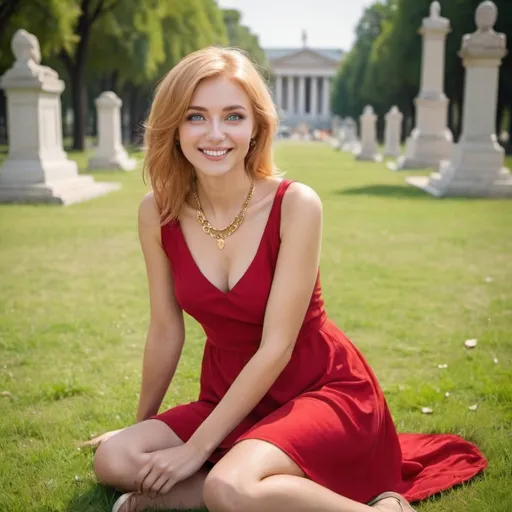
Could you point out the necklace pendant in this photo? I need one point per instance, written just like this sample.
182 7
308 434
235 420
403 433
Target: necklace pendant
220 243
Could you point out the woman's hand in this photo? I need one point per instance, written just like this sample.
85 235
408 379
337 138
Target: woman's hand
165 468
96 441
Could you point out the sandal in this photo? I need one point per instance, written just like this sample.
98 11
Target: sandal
121 501
404 504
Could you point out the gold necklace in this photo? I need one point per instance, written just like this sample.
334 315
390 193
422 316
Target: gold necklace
221 234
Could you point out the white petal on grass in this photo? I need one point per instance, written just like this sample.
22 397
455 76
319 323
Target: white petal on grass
495 360
427 410
447 394
442 366
473 407
489 279
471 343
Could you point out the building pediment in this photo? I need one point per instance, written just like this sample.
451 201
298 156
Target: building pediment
304 59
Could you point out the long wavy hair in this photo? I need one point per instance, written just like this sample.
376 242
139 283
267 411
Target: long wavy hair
171 175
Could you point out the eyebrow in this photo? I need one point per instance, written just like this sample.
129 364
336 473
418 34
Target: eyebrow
225 109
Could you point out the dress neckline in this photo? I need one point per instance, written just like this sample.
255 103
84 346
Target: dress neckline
252 262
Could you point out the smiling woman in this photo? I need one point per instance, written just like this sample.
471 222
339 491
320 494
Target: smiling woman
289 414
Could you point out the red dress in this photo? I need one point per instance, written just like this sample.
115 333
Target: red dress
326 410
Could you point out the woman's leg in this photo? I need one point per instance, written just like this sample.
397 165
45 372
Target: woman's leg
255 475
119 459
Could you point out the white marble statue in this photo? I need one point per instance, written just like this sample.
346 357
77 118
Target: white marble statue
110 153
477 166
431 140
37 168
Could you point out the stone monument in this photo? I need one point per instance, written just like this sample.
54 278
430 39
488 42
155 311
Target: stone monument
477 165
431 140
37 169
393 131
368 149
350 141
110 153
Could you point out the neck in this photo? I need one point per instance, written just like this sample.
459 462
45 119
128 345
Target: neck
222 197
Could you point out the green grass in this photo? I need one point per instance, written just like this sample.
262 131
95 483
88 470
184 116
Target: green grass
403 274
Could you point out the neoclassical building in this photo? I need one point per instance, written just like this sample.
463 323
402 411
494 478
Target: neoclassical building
301 80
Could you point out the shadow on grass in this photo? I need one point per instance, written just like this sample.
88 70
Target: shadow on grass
398 191
384 191
100 499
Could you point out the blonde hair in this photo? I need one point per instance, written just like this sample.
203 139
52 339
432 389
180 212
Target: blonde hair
170 173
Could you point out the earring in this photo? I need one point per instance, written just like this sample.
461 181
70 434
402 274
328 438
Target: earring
252 143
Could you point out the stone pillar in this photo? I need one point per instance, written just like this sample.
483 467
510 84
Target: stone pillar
279 91
477 165
37 169
393 132
110 153
314 96
325 96
369 148
302 95
290 108
431 140
350 141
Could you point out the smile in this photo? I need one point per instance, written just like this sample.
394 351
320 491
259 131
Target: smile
215 154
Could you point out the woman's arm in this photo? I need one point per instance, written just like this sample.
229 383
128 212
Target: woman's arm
292 286
166 333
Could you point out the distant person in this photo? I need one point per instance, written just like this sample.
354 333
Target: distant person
290 416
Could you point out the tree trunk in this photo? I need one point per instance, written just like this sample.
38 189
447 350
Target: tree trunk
78 94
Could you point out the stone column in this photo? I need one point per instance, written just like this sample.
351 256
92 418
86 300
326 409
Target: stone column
37 169
302 95
431 140
368 149
477 166
393 132
290 108
279 91
325 96
110 153
314 96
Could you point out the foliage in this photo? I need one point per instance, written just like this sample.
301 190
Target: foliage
383 67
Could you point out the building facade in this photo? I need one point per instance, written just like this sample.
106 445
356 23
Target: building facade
301 80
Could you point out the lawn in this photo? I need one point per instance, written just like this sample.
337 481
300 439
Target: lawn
408 277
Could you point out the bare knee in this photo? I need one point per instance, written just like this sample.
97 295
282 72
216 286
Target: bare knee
116 465
226 491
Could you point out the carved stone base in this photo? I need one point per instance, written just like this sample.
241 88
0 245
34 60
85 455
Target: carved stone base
476 170
64 191
118 161
422 151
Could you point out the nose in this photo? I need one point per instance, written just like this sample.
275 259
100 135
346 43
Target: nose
215 133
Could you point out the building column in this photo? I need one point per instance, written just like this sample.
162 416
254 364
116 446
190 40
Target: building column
314 96
325 96
290 109
279 91
302 95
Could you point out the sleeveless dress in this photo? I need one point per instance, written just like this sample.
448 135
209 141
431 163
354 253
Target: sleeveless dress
326 410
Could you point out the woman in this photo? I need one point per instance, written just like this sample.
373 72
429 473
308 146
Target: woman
290 416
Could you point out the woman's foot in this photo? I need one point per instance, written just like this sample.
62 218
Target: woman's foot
133 502
387 505
391 502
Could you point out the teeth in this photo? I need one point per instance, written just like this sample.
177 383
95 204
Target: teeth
214 153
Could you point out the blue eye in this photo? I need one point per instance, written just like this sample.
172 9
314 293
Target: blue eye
193 117
237 117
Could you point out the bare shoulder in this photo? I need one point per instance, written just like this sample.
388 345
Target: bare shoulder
301 203
149 217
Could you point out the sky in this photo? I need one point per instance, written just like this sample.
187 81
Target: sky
279 23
